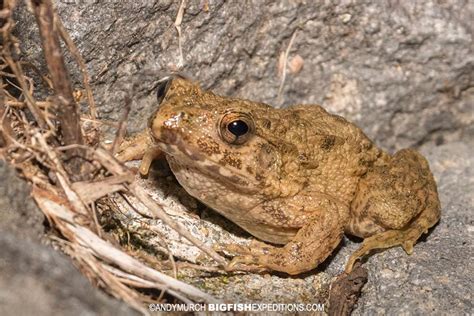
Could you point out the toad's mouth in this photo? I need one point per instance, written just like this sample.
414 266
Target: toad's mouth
185 155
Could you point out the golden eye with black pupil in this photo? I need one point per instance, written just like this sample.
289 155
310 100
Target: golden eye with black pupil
236 128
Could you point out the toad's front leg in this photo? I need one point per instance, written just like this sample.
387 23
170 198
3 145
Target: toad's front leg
140 146
313 243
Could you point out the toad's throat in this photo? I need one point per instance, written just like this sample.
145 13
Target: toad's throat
196 160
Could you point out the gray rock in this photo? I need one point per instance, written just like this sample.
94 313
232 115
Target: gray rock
18 212
36 279
402 70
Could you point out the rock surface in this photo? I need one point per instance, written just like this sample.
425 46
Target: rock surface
35 279
404 71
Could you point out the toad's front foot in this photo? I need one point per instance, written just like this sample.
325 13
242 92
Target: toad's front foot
247 263
275 259
313 243
259 257
140 146
246 256
253 257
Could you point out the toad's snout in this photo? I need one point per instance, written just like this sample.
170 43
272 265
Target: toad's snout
166 127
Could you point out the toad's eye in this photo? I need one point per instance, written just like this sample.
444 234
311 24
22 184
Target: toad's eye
236 128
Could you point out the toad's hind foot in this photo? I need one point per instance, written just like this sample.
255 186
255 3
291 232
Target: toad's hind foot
406 238
383 240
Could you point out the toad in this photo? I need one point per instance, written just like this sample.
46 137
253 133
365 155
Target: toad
296 178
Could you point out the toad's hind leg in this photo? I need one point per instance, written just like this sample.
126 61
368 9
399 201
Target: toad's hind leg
400 199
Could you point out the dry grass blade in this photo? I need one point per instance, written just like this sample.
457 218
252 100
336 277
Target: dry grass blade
8 43
115 167
90 191
114 285
159 213
133 280
110 254
122 126
177 25
282 65
67 111
62 176
80 61
6 131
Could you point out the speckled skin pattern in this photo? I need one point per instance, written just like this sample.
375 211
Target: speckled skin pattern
299 178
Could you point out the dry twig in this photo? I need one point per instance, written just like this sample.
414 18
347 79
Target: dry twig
177 25
67 111
106 251
9 42
6 131
283 64
115 167
122 126
82 65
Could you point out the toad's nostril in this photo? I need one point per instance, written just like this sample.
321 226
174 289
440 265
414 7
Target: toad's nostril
181 116
174 120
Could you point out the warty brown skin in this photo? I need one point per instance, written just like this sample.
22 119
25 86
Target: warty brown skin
299 178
